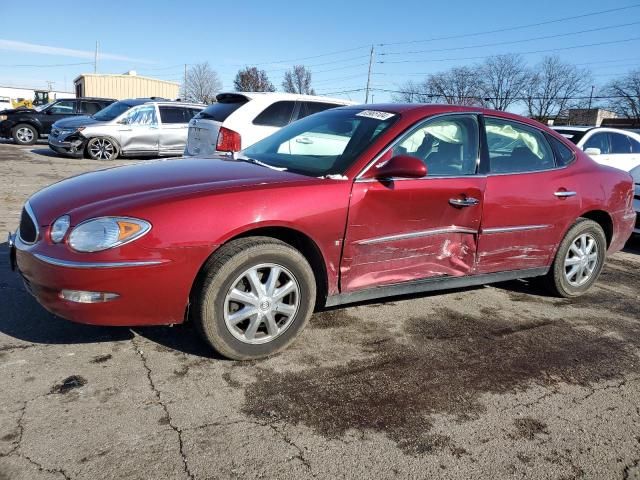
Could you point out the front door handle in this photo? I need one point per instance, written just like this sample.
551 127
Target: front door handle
464 202
565 194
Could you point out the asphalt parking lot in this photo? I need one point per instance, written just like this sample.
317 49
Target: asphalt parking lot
489 382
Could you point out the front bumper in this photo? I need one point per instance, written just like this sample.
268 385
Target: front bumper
150 291
70 145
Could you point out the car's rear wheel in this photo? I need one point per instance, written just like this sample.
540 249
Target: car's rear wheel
24 134
101 148
579 260
255 295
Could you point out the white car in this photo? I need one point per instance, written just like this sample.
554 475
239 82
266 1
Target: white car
608 146
238 119
635 173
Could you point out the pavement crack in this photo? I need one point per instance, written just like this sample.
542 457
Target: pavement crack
300 456
20 428
159 401
628 470
42 468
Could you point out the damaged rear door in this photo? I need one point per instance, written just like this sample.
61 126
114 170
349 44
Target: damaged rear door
402 229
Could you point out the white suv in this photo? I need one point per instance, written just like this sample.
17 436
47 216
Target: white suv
241 119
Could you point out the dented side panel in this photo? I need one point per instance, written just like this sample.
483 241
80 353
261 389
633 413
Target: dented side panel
406 230
524 221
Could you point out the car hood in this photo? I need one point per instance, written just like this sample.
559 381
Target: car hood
113 190
21 111
75 122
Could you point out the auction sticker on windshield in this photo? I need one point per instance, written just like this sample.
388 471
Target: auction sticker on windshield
375 114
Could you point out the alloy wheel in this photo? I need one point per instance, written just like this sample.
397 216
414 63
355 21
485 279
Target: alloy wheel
261 303
581 260
24 135
102 149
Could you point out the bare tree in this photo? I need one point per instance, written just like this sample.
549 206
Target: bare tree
413 92
250 79
298 80
457 86
553 87
625 95
202 84
503 80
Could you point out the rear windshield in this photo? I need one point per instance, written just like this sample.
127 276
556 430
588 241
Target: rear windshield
574 135
221 110
112 111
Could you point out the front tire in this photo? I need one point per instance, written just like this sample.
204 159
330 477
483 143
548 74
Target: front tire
254 297
25 134
579 260
101 148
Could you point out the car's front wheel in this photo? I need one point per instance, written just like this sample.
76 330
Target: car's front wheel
25 134
579 260
101 148
255 295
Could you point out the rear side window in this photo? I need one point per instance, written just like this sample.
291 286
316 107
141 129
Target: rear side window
564 155
64 107
619 143
309 108
90 107
515 148
220 111
174 115
276 115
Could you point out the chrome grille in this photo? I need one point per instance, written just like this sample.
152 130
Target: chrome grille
28 231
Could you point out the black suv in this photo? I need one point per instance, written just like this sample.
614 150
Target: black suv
26 125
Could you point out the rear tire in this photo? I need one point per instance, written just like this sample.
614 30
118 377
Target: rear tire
253 298
101 148
25 134
579 260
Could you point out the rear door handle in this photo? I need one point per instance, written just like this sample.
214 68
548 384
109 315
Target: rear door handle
305 140
464 202
565 194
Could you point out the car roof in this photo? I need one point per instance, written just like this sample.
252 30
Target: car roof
275 96
160 101
575 128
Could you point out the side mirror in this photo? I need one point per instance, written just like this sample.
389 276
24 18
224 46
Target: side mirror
124 121
593 151
402 166
48 112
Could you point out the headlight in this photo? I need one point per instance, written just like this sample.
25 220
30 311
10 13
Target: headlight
106 232
59 228
3 117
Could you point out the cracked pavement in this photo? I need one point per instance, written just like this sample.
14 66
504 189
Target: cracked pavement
490 382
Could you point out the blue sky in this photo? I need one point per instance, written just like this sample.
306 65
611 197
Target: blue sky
157 38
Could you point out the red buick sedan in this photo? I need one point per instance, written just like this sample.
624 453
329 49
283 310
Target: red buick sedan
351 204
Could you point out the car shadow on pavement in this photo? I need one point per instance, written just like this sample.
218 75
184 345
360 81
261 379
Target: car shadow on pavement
46 152
633 245
23 319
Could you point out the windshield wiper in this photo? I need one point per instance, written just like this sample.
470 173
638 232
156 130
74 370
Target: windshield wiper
258 162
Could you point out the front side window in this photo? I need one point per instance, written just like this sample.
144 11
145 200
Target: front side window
515 148
599 141
619 143
277 114
447 145
324 144
635 145
64 107
142 116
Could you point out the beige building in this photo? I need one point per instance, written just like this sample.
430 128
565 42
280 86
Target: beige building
126 85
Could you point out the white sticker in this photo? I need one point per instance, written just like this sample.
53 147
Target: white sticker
378 115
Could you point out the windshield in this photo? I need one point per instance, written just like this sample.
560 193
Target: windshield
42 107
112 111
326 143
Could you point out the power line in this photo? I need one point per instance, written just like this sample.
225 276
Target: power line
311 57
520 53
511 42
510 29
521 98
48 65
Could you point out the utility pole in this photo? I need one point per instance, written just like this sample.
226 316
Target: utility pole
366 96
591 96
184 84
95 59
